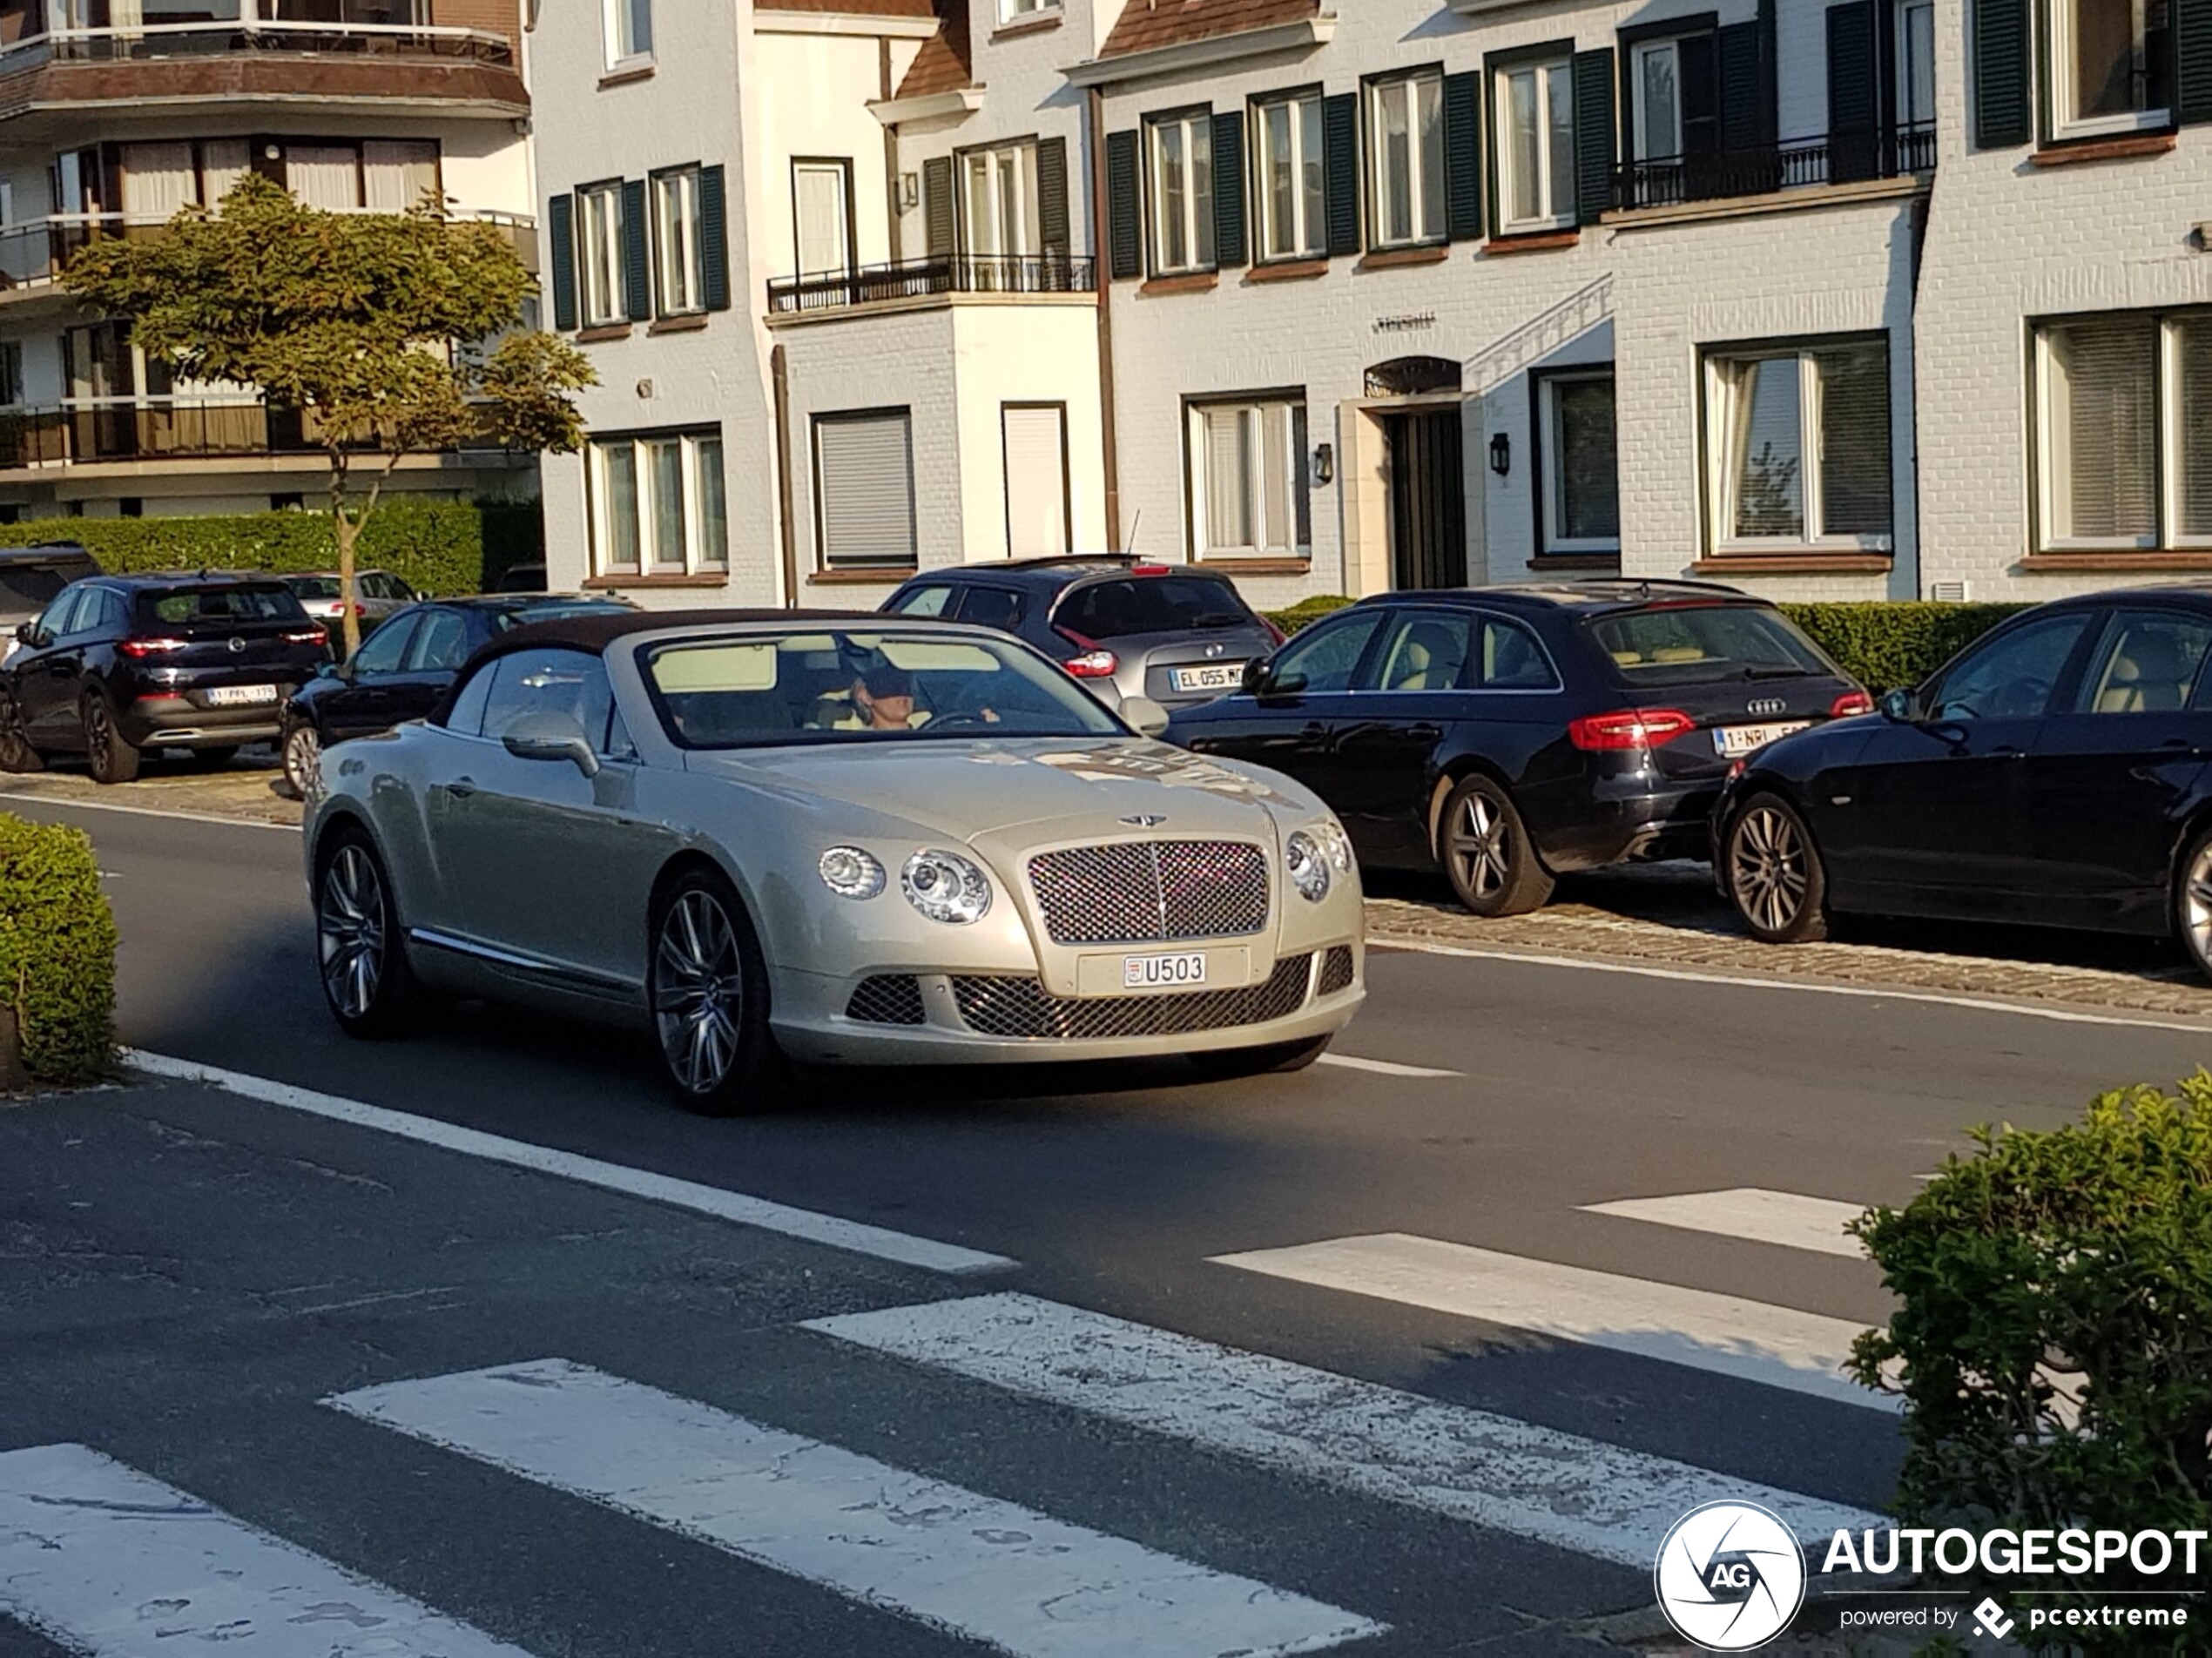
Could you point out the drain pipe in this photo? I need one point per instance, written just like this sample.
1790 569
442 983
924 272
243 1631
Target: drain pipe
779 380
1108 448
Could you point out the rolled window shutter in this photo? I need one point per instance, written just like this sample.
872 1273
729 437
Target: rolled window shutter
2192 60
937 205
1124 213
1853 119
864 486
2003 116
1463 156
714 238
637 261
1340 171
1052 196
1594 132
560 235
1230 248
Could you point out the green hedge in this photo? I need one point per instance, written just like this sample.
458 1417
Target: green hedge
439 546
2054 1336
56 950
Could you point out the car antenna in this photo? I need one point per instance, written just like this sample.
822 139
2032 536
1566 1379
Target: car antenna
1128 543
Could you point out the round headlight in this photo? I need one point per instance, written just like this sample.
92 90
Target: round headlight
946 887
851 872
1336 844
1308 865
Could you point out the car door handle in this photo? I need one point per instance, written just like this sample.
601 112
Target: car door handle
1425 733
460 788
2008 752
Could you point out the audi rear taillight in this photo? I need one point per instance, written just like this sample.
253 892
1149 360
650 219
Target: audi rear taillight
137 648
1629 729
1851 702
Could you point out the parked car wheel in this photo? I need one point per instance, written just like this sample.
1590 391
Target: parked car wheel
113 757
301 749
2193 902
708 989
16 752
1775 874
1486 851
366 976
1221 1064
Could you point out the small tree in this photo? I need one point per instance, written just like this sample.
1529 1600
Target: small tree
365 322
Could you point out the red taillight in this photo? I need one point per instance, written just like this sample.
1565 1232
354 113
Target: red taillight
312 636
1630 728
1093 664
138 648
1274 632
1851 702
1148 570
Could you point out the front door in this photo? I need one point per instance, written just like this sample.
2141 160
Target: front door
1292 728
47 674
363 704
1409 691
1428 529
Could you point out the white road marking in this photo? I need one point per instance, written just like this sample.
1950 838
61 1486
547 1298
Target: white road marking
1778 1346
1747 981
950 1558
74 804
1788 1219
1468 1464
113 1564
1384 1067
834 1230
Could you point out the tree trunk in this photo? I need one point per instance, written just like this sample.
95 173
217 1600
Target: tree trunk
13 1077
346 529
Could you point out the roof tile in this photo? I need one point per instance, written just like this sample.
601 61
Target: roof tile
1145 24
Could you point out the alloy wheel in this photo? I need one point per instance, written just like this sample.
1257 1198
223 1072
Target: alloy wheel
2196 902
698 991
1478 845
350 929
99 734
1768 869
303 761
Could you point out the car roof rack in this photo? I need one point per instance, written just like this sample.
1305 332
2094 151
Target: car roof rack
1061 560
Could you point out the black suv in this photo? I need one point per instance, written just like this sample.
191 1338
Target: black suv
120 663
1512 733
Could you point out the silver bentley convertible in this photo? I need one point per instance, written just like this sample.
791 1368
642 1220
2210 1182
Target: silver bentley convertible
829 838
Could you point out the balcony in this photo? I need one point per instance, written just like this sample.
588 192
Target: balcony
940 275
91 430
1794 164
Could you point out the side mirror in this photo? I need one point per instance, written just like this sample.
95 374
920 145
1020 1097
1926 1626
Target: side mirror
1903 705
27 632
1148 718
551 736
1255 682
325 669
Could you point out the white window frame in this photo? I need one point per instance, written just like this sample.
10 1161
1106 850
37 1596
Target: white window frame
700 448
1201 484
1511 218
1195 125
620 20
1906 117
1720 485
1551 454
2058 30
602 270
1429 217
673 198
1309 234
1020 10
2172 456
1641 51
991 208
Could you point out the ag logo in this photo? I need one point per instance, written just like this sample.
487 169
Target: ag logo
1729 1576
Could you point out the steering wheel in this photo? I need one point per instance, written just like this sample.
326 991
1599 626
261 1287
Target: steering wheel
959 721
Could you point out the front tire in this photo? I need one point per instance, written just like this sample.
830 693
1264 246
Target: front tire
707 991
1486 853
1775 875
359 948
300 750
2193 902
1276 1059
16 753
113 757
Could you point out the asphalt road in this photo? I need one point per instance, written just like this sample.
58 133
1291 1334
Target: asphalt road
1113 1190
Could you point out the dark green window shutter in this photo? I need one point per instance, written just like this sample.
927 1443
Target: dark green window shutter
1124 209
1052 196
560 235
937 205
1700 94
714 238
1340 170
2003 116
1594 132
636 258
1463 156
1228 240
1741 73
1854 120
2192 60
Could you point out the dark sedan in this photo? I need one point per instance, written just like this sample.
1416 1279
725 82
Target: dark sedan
1511 734
2057 771
403 668
118 664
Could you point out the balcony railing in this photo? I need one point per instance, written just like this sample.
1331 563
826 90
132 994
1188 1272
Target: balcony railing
919 278
199 427
139 42
1794 164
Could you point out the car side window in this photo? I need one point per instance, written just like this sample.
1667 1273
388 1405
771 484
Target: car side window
106 611
379 653
2013 675
1324 656
933 600
60 617
1424 651
549 680
1513 660
440 643
2145 662
991 607
465 717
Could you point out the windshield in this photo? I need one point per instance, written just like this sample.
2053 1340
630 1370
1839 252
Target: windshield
1115 608
745 691
314 587
550 610
1689 644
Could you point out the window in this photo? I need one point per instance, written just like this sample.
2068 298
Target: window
10 371
629 30
1695 643
1655 99
992 607
1536 104
2124 413
1427 651
2145 664
821 194
657 504
1514 660
1034 438
381 652
2110 65
599 262
1181 193
1287 165
1123 605
441 643
999 192
1247 472
679 267
1576 462
1014 10
2012 675
1799 442
549 681
1324 656
864 489
1406 159
933 600
1916 64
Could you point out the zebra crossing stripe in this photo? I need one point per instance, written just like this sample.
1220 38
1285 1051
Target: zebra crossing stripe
949 1558
1789 1219
114 1564
1468 1464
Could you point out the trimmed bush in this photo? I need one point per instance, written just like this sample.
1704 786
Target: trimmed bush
438 546
1307 611
56 951
2054 1343
1886 644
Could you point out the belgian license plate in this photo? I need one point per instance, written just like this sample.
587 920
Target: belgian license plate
1214 676
1152 971
238 696
1731 740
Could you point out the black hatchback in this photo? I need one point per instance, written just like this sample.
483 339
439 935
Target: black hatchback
1512 734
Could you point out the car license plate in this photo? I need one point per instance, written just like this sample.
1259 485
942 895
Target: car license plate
1214 676
1731 740
238 696
1152 972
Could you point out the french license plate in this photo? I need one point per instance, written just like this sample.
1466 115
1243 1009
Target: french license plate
1152 972
1731 740
1213 675
238 696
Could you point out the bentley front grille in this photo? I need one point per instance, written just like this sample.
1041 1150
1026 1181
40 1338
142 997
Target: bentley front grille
1152 891
998 1007
887 998
1335 970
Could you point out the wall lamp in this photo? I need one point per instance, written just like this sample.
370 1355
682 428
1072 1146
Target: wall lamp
1501 454
1324 463
909 191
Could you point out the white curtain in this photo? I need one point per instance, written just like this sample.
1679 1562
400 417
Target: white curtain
158 178
398 173
323 175
223 162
